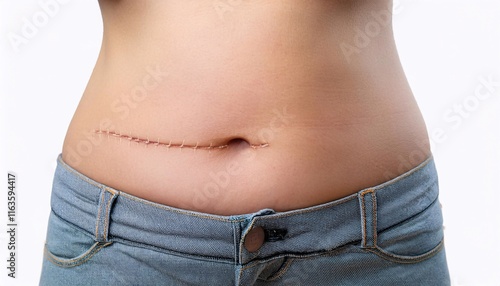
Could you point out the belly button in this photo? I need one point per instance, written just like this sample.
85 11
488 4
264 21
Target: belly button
238 143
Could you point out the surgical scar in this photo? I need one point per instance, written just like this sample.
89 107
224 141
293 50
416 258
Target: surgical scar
171 144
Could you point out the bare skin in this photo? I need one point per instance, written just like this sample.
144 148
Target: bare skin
330 108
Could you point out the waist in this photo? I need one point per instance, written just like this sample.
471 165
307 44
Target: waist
105 213
227 160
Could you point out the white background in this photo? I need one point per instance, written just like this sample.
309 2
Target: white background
445 47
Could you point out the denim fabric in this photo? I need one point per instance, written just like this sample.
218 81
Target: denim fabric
390 234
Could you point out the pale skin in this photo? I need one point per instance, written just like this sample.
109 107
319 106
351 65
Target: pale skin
318 83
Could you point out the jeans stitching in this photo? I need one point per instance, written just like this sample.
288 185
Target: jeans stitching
98 220
107 214
166 251
236 229
312 255
274 216
282 270
311 208
363 220
412 217
403 258
374 217
171 209
406 259
62 262
363 217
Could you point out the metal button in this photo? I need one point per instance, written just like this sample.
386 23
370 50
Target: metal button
254 239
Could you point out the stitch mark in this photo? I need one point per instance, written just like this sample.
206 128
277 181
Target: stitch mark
99 132
146 142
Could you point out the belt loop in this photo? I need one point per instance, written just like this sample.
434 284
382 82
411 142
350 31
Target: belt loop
368 204
106 199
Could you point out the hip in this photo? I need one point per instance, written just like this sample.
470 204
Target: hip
98 234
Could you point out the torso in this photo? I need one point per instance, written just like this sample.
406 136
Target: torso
324 113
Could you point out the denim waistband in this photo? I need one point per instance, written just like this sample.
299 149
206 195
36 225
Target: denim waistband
110 215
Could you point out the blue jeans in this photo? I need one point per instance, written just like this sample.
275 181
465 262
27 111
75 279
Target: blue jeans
390 234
